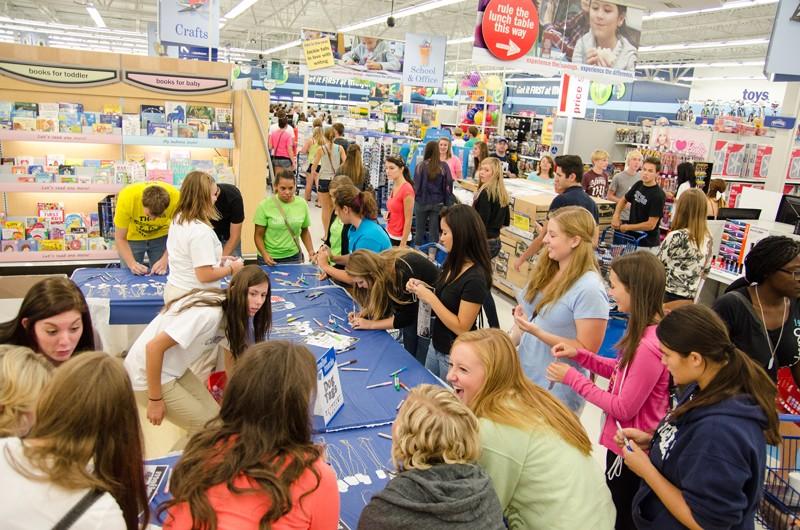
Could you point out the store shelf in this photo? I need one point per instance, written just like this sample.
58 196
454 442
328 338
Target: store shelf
58 187
740 179
172 141
796 182
527 157
20 258
722 276
632 144
72 138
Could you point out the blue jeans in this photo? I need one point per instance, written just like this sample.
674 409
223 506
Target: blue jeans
427 216
297 258
414 344
153 248
437 363
237 250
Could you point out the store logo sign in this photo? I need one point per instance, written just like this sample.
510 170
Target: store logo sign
176 84
58 75
755 96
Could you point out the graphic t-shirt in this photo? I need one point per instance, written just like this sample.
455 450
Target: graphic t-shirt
130 215
508 165
646 202
278 241
595 184
394 204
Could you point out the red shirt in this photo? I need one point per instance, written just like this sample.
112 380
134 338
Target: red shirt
317 511
394 205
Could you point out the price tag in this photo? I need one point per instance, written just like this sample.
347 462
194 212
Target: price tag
329 389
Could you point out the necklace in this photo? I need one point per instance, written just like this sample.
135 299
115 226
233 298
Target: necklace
772 349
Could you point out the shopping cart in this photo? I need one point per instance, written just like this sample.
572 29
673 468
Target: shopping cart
613 244
779 509
435 252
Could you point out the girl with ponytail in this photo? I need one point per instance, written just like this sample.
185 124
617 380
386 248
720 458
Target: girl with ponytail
707 457
360 210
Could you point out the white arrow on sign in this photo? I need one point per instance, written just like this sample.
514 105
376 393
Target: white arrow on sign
511 48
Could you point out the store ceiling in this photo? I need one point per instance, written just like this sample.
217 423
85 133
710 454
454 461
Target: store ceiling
736 34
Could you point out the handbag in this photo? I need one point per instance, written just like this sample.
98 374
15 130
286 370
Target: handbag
288 226
449 197
78 510
275 149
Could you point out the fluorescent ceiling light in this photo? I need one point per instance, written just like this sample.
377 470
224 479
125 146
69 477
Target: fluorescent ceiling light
39 26
401 13
725 78
461 40
699 45
282 47
729 5
699 65
95 14
243 6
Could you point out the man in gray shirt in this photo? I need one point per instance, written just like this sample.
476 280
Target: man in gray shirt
622 181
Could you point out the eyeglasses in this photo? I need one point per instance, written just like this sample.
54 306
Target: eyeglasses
795 274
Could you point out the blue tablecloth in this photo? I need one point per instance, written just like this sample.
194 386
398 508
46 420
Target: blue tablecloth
138 299
360 458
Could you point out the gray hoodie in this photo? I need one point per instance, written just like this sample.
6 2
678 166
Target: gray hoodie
446 496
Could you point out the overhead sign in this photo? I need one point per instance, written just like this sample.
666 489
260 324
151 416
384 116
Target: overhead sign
510 28
197 53
47 74
358 57
176 84
781 63
574 96
189 22
318 52
329 389
423 63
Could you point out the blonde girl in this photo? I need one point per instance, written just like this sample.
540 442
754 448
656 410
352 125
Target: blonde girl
310 148
194 250
326 162
565 299
23 375
435 447
534 448
686 251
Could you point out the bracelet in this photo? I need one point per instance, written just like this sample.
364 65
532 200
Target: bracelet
159 399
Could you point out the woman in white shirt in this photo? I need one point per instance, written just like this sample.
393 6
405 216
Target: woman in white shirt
86 445
188 329
194 250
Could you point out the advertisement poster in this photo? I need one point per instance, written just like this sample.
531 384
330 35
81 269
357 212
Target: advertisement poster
193 23
694 143
597 40
423 64
354 57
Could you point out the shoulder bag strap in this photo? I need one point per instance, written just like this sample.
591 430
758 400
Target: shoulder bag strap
286 222
747 304
78 510
327 152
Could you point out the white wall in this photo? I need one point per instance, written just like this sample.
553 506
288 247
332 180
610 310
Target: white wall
732 89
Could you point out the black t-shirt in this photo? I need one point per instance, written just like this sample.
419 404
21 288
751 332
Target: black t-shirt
231 210
646 202
493 215
575 196
470 287
419 267
747 331
508 164
344 142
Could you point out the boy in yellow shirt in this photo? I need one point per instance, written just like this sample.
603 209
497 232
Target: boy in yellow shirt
143 214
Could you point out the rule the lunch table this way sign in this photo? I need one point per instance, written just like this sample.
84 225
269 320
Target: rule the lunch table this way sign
510 28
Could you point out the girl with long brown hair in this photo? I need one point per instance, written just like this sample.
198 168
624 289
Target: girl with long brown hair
638 391
707 457
353 167
400 203
191 328
379 287
85 447
479 153
534 448
53 320
687 249
715 197
194 250
255 465
433 184
565 300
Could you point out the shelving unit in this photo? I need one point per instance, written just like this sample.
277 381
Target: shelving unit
57 187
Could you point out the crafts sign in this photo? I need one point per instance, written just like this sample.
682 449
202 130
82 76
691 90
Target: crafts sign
510 28
329 389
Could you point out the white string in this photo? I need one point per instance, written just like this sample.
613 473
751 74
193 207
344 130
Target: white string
766 332
616 468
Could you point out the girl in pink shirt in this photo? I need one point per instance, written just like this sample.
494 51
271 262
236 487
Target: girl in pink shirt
260 445
446 156
638 389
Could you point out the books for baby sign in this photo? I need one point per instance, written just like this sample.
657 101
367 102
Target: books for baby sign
329 389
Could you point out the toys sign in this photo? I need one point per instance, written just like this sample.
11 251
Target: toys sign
510 28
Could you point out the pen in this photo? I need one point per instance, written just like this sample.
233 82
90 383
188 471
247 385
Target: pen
296 291
404 387
403 369
355 369
352 361
337 317
400 404
292 319
384 435
280 273
376 385
320 324
329 328
349 348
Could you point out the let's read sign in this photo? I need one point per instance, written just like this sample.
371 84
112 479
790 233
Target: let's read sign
329 389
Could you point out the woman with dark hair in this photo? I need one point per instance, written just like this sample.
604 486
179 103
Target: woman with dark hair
433 184
353 167
707 457
281 144
84 449
686 178
761 310
462 287
480 152
255 465
400 204
53 320
716 196
190 328
609 42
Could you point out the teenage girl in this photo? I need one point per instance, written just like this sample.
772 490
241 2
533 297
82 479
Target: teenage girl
326 162
187 329
23 376
638 392
400 204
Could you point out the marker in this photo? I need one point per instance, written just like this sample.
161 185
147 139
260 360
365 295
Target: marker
400 404
403 369
337 317
292 319
346 330
296 291
320 324
396 381
627 442
404 387
377 385
280 273
352 361
355 369
329 328
384 435
349 348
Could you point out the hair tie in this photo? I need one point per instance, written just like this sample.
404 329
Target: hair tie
357 201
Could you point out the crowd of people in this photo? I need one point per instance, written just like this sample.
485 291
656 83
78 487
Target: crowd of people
688 410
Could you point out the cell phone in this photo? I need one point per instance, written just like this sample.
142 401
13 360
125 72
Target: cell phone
625 438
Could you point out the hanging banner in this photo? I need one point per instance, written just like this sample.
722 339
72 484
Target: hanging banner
574 96
690 143
318 53
595 40
47 74
423 63
176 84
189 22
364 58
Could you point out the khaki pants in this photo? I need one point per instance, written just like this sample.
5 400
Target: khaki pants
189 403
206 364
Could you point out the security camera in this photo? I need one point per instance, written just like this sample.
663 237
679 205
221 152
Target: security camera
390 22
